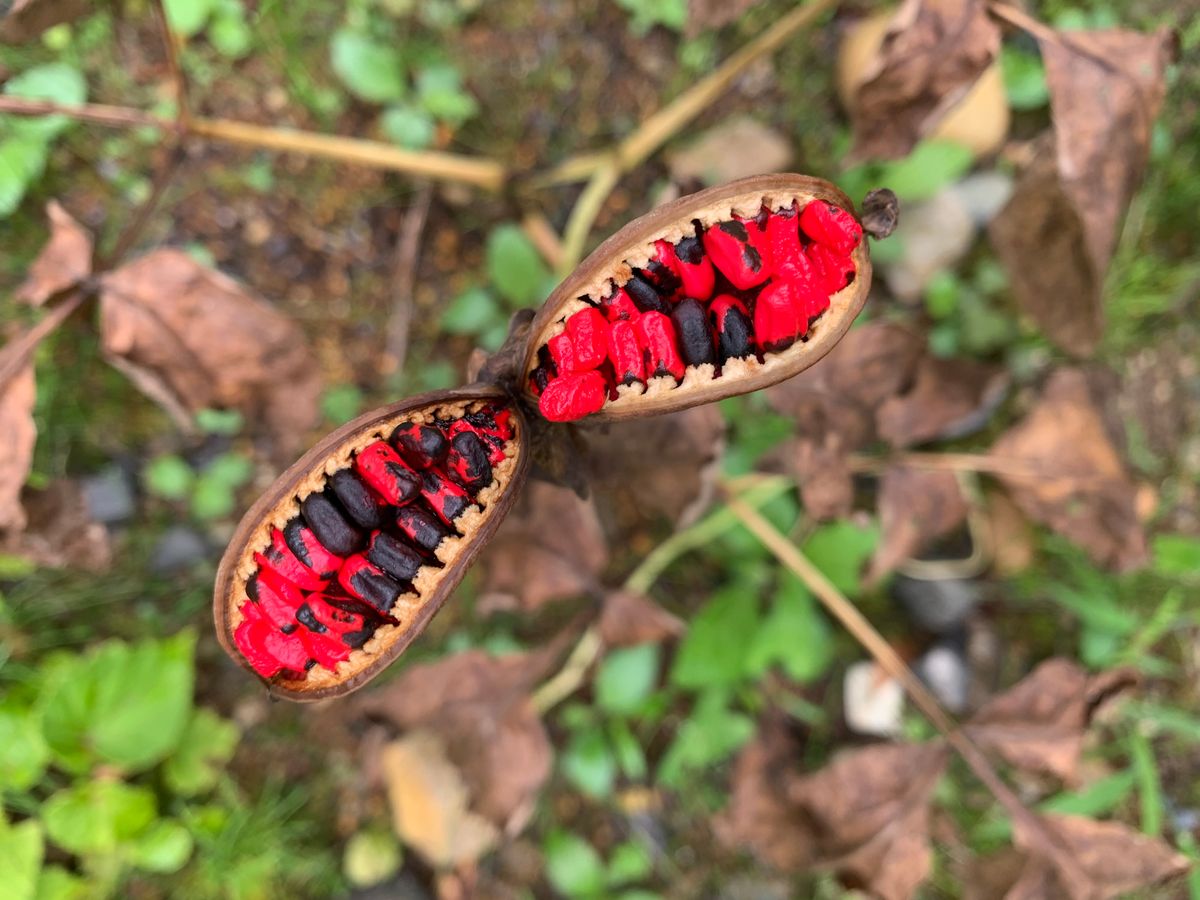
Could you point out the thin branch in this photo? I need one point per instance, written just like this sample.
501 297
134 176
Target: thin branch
96 113
130 233
584 213
404 275
16 353
544 238
890 661
1007 467
183 113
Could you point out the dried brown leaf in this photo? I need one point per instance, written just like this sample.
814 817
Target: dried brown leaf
627 619
65 260
193 338
18 434
26 19
635 480
823 476
1011 536
737 148
58 532
932 54
429 801
1077 484
550 547
1039 723
916 508
950 398
1091 860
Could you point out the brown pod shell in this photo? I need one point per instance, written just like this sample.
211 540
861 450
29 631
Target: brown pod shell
413 610
632 247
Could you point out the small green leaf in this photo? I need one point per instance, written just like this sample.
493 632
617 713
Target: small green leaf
628 862
21 850
372 857
645 14
220 421
93 817
369 70
188 17
941 294
631 759
207 744
22 160
588 763
514 266
164 847
168 476
931 166
229 469
1024 78
710 734
839 550
572 865
58 82
341 403
626 678
1177 554
229 32
713 653
440 91
408 126
471 312
1145 769
793 634
56 883
23 750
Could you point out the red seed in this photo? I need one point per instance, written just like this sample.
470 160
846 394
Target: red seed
779 316
422 527
491 439
310 551
383 469
468 462
827 224
562 351
327 651
695 269
446 498
572 397
834 271
735 255
252 610
420 445
250 638
286 648
362 579
589 337
277 597
319 614
732 325
625 349
620 306
662 352
281 558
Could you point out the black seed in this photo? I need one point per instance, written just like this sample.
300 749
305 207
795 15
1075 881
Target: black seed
377 589
420 445
666 281
291 537
308 665
288 629
474 470
448 504
752 258
735 229
306 617
761 219
362 504
330 526
408 483
356 639
733 335
252 588
540 378
690 250
395 557
645 297
424 528
695 341
482 419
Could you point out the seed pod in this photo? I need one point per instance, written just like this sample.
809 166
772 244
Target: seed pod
726 242
390 581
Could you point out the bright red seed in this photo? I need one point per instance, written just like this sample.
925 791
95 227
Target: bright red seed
562 351
277 597
420 445
572 397
620 306
662 351
250 638
834 271
732 251
327 651
280 557
779 316
310 551
286 648
625 349
383 469
492 438
589 337
362 579
448 500
827 224
695 269
318 614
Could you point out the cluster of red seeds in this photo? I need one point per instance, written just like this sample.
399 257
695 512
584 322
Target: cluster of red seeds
331 576
740 288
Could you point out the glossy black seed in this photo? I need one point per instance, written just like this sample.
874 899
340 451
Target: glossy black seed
695 340
376 588
481 419
734 338
468 461
735 230
445 497
540 378
252 588
361 503
291 537
306 617
645 297
330 526
422 527
420 445
666 281
690 250
356 639
395 557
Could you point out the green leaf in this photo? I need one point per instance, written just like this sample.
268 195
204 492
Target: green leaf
1024 78
229 32
408 126
626 678
440 91
514 266
472 311
631 759
629 862
22 159
839 550
164 847
341 403
713 653
588 763
168 476
220 421
1177 554
572 865
23 750
94 817
372 857
369 70
187 18
229 469
931 166
58 82
1145 769
794 634
207 744
710 734
645 14
21 851
56 883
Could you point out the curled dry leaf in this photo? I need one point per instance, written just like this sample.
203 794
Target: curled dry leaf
627 618
193 338
737 148
26 19
1039 723
1077 482
635 479
1091 860
932 54
18 434
429 803
949 399
1057 234
58 532
823 475
916 508
64 262
550 547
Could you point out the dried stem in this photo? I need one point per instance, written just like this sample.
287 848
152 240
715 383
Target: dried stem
967 462
130 233
183 113
890 661
404 274
584 213
16 353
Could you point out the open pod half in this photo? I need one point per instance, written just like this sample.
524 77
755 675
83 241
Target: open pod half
345 559
718 293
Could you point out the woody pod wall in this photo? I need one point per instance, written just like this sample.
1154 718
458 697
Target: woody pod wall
344 560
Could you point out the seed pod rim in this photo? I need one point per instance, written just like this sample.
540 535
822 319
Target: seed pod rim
633 246
457 557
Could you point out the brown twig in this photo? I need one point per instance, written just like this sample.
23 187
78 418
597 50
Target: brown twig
544 238
404 275
584 213
183 113
129 234
890 661
1006 467
16 353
